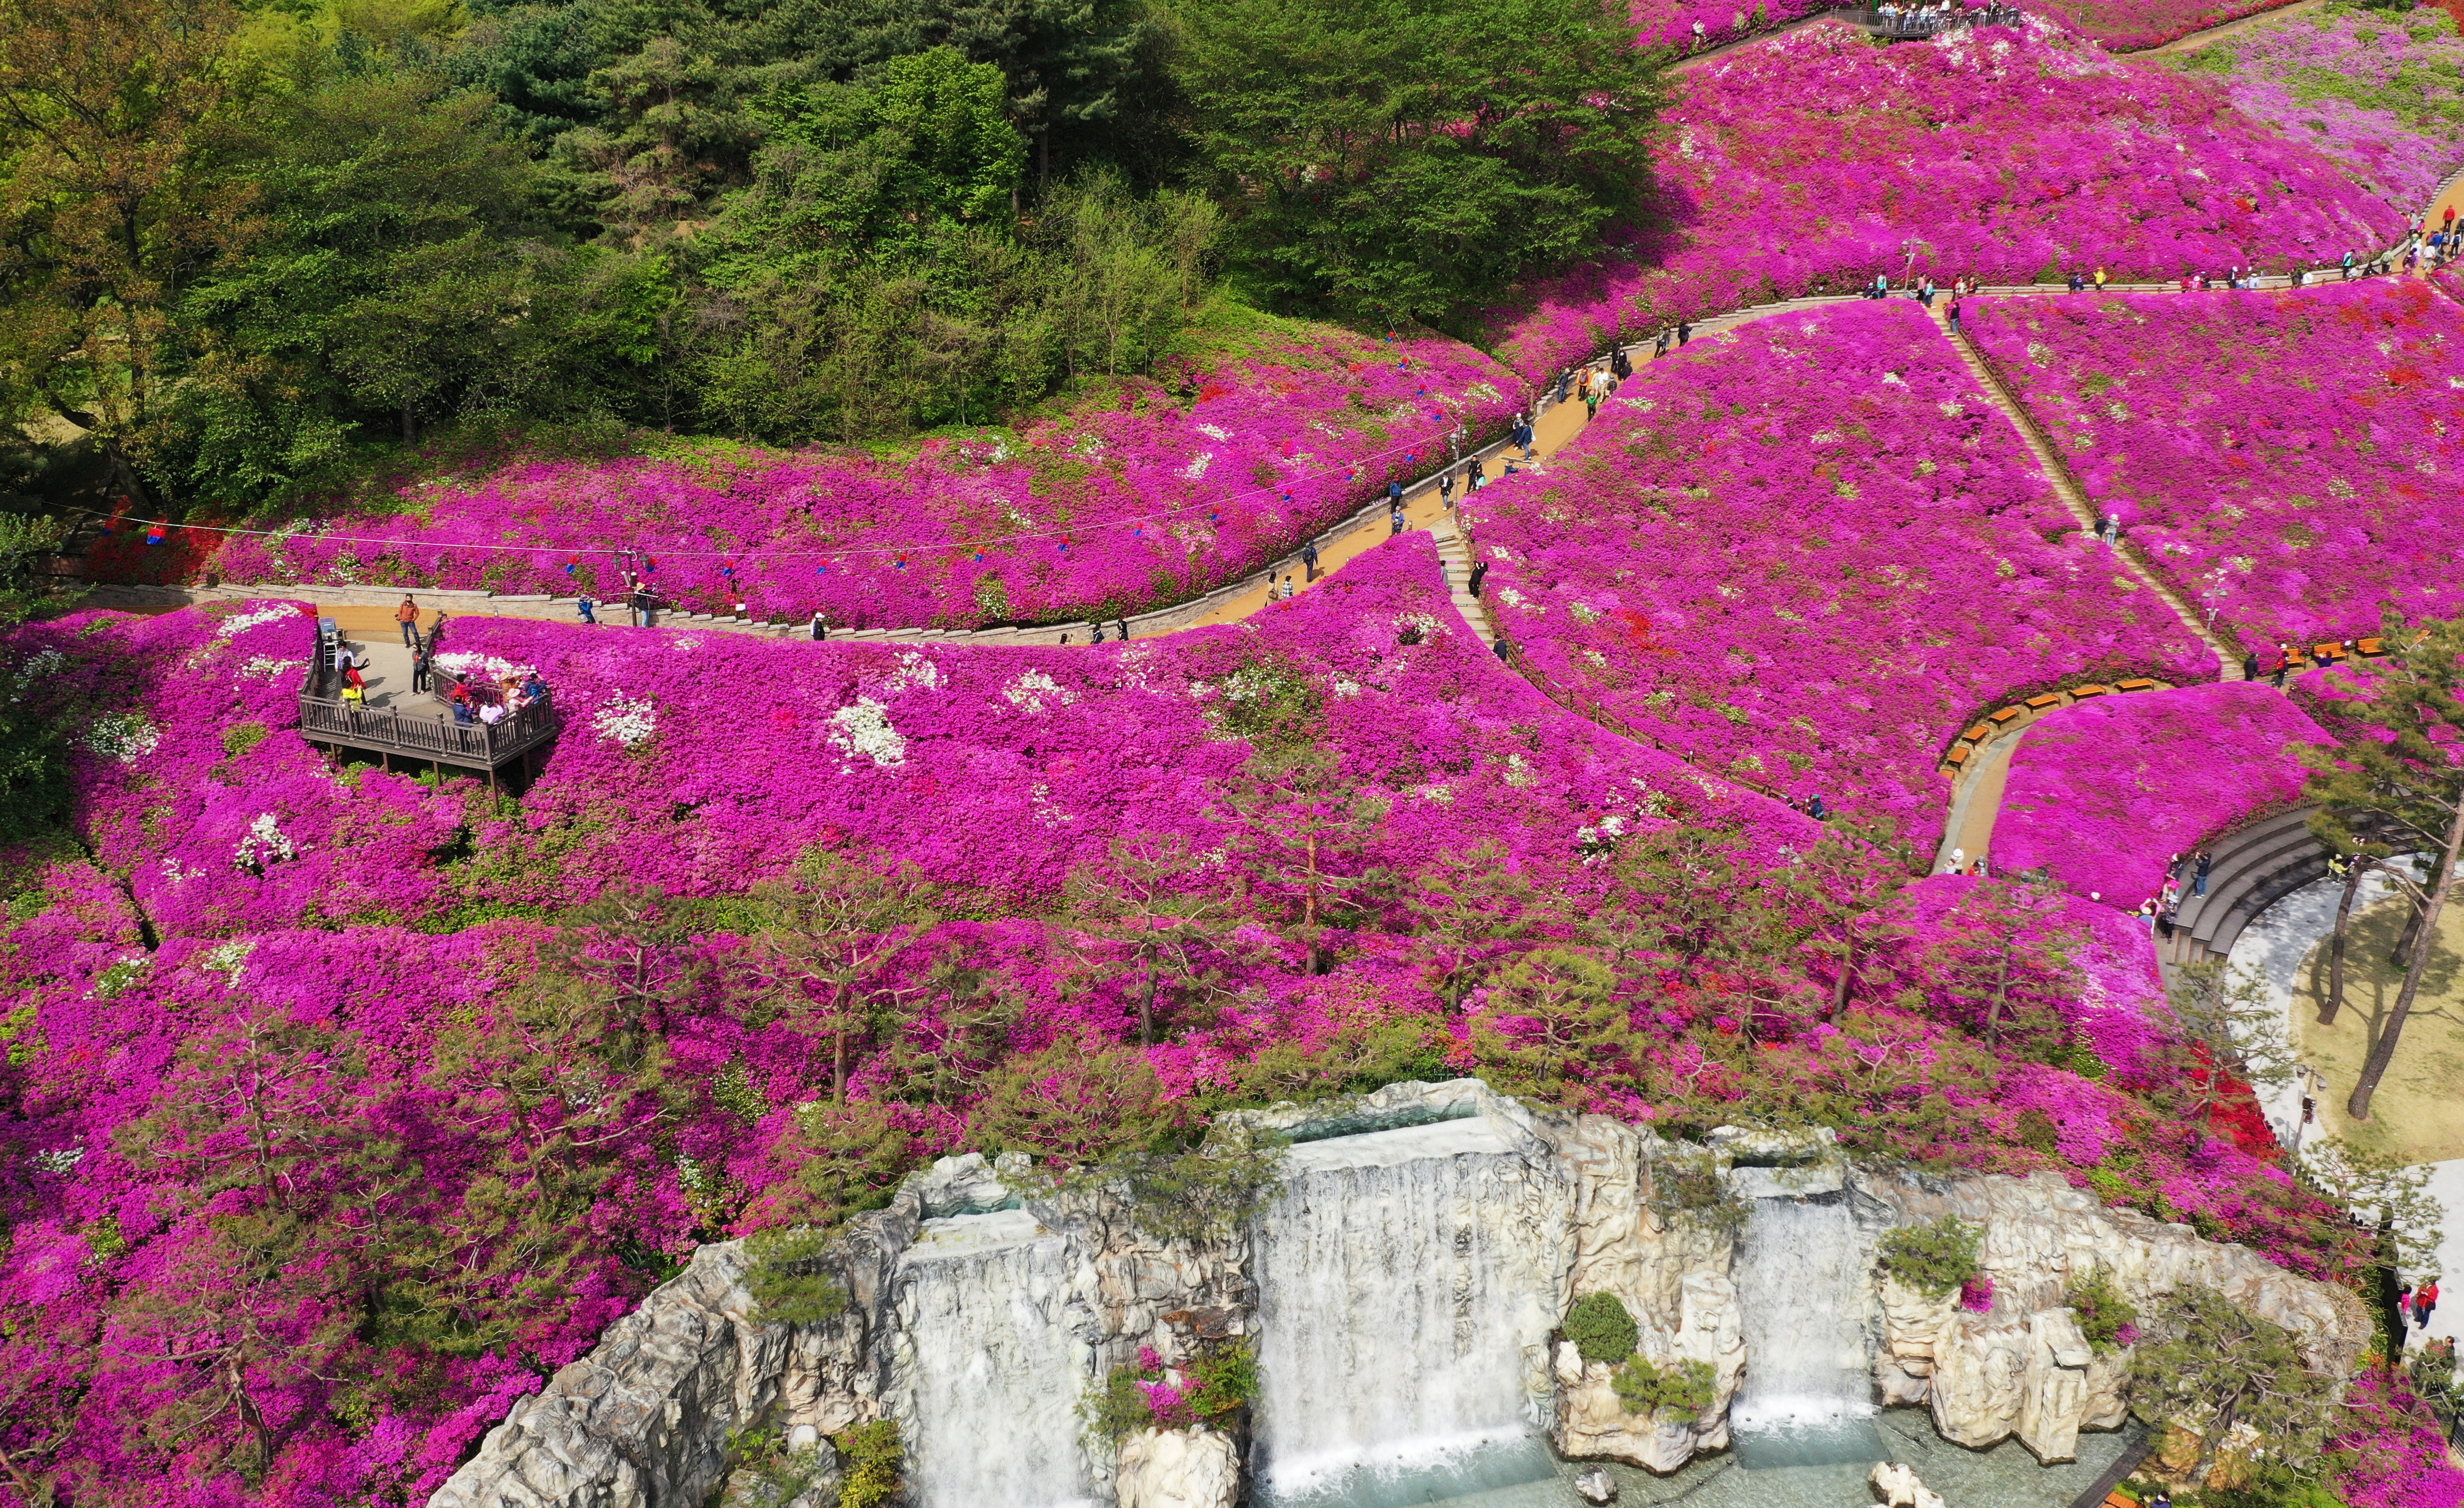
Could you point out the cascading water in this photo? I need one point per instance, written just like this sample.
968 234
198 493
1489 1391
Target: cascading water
1393 1314
992 1371
1800 1278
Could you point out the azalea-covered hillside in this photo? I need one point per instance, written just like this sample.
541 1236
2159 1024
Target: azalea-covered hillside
1805 554
2379 92
2103 794
2286 459
1151 496
341 1106
2013 155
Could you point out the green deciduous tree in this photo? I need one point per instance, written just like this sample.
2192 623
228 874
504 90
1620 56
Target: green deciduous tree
1408 159
2396 785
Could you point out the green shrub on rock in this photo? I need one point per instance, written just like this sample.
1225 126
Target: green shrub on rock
875 1464
1934 1259
1601 1329
2108 1320
1684 1389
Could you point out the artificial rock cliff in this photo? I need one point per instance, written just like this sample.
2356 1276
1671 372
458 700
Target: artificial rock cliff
1406 1283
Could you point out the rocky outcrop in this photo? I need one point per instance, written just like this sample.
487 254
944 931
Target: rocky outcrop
1897 1486
2024 1369
644 1420
1669 1266
1178 1469
1514 1214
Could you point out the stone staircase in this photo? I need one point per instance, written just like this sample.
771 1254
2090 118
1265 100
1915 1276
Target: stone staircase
1454 550
2074 496
2251 870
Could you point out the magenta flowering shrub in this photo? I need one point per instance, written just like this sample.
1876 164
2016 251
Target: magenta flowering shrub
704 760
1806 558
1133 501
1976 1295
2284 458
1816 161
2376 92
2393 1453
2103 793
2130 26
219 823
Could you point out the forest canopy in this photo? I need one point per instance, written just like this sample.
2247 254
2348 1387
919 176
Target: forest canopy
243 247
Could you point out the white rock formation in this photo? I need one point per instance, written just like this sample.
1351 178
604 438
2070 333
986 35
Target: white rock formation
1898 1486
2024 1368
1596 1486
1178 1469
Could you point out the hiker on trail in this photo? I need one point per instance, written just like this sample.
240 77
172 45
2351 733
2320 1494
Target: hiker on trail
1478 477
1121 627
408 615
588 608
1659 348
1621 363
2078 283
2425 1299
2348 267
2199 873
1565 384
1522 432
2283 663
1395 518
2250 666
1500 645
1098 625
1479 569
1591 402
1289 588
821 629
2099 279
1394 494
638 602
1308 551
1446 488
1955 314
1685 332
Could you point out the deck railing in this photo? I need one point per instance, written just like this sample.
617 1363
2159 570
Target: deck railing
426 731
1914 22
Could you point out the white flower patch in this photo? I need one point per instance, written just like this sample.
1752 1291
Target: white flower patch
263 844
1824 437
1953 408
626 721
228 959
1346 688
1426 625
1010 511
864 728
914 669
239 623
1197 467
1047 811
174 875
1213 431
41 667
1515 599
1519 773
1035 690
1442 795
60 1158
1498 552
1892 379
687 644
270 668
124 736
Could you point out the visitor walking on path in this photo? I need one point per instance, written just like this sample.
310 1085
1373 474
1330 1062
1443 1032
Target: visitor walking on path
821 627
1394 517
1309 552
587 609
2199 874
1955 314
1446 489
420 669
2425 1299
1685 332
1479 569
408 615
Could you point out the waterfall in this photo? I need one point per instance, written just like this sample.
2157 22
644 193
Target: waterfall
1801 1281
1396 1306
992 1372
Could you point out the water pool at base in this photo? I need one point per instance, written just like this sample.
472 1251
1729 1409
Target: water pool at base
1819 1468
